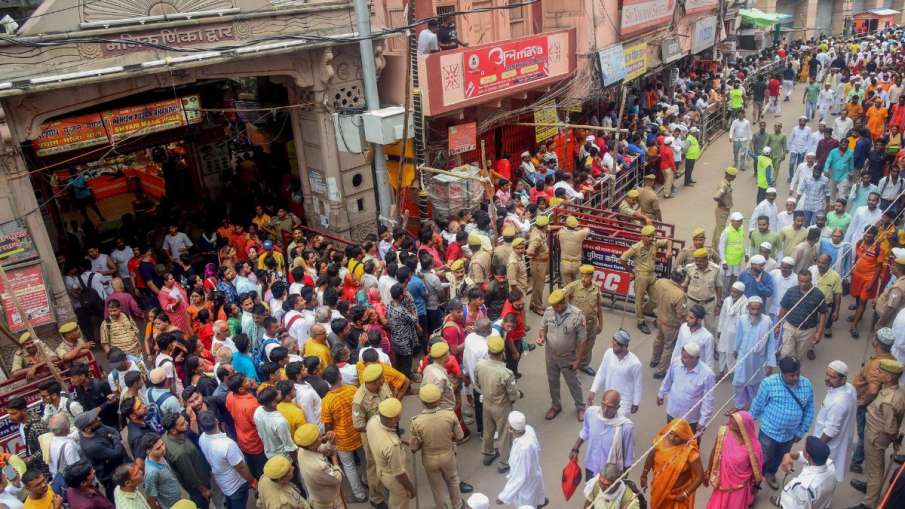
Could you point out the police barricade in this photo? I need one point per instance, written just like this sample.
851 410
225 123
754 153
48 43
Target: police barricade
22 386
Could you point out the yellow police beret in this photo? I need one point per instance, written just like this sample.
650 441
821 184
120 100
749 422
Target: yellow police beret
439 349
278 466
555 201
306 434
24 337
731 171
891 366
429 393
700 253
586 269
518 242
542 220
648 230
390 407
633 193
698 232
556 297
495 344
508 231
68 327
458 264
900 261
188 504
474 239
571 222
650 176
372 372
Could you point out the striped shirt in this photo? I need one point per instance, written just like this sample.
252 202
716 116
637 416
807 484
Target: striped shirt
336 412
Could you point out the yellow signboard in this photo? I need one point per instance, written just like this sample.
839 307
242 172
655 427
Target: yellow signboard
545 114
635 60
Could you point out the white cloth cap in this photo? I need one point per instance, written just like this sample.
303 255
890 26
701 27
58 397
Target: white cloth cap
736 216
790 200
478 501
526 154
788 260
755 298
771 190
839 367
767 150
898 252
767 246
590 138
738 285
693 349
758 260
803 117
517 420
812 154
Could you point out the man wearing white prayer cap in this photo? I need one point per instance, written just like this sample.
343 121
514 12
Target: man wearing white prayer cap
783 279
525 480
757 281
687 386
734 307
766 250
754 351
785 217
835 422
478 501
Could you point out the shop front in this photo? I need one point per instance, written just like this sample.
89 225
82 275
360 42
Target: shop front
872 20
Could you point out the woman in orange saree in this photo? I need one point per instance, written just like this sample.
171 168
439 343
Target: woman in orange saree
865 274
676 465
735 464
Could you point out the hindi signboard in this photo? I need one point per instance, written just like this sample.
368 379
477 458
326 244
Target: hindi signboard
671 49
150 118
28 283
70 133
604 252
16 242
635 57
463 138
545 114
639 15
703 35
612 64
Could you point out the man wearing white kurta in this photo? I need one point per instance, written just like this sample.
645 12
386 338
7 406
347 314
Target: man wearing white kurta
864 217
767 207
476 350
619 370
525 480
734 307
783 279
835 423
693 331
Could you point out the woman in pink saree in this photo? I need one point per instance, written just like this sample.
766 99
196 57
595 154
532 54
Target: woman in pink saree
735 464
174 303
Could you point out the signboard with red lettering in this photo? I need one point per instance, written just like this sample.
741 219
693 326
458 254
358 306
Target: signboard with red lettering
71 133
603 253
640 15
492 68
28 283
16 244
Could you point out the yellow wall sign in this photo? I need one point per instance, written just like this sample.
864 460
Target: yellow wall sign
545 114
635 60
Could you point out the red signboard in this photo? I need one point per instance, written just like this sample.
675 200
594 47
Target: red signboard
462 138
28 283
467 76
150 118
70 134
604 255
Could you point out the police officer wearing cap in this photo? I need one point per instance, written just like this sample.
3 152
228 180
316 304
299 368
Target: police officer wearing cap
435 373
643 255
502 250
630 207
671 313
892 300
647 198
585 295
539 253
698 238
570 239
27 359
277 487
516 268
882 427
703 285
496 384
435 432
389 454
480 265
723 199
563 331
73 344
812 488
370 393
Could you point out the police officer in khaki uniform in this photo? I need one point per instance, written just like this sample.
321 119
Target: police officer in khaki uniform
893 298
703 285
27 358
435 432
480 265
647 199
497 386
723 199
389 454
367 398
322 477
539 253
643 254
882 427
516 268
502 250
435 373
630 207
698 239
585 295
563 330
570 240
671 312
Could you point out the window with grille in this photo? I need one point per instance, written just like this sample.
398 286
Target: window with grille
517 22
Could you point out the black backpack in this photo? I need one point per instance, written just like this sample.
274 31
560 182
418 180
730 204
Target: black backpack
88 297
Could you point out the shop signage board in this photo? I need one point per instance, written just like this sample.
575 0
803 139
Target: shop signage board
463 138
612 64
696 6
16 243
635 57
640 15
703 35
179 36
28 283
151 118
571 104
671 49
71 133
545 114
603 253
464 77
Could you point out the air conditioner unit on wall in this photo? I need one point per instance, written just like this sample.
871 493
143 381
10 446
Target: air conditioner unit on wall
384 126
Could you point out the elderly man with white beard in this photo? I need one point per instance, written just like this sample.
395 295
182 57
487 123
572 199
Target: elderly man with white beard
835 423
755 352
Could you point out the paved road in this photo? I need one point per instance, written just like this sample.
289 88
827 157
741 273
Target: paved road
690 208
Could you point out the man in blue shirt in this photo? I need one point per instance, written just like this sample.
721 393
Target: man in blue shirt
757 282
862 149
785 407
839 165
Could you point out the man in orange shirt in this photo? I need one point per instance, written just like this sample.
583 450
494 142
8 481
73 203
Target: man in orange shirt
336 414
397 382
241 405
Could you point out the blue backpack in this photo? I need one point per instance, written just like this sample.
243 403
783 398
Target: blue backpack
154 418
258 355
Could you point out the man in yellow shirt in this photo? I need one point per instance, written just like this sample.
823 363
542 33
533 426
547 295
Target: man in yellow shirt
398 382
290 411
40 495
336 414
277 257
317 345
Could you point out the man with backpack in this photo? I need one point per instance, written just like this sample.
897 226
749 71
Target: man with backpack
88 291
166 347
160 398
119 364
119 331
55 403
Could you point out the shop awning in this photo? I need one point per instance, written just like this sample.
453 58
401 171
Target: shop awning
882 12
764 19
